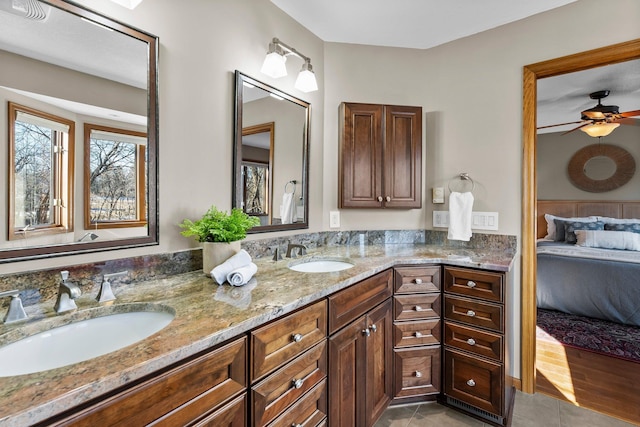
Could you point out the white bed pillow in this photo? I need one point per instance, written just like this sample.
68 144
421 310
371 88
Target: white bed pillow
551 225
607 239
618 220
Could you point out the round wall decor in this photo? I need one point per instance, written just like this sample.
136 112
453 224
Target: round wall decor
625 168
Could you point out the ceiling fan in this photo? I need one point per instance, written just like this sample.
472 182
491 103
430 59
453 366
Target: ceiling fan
600 120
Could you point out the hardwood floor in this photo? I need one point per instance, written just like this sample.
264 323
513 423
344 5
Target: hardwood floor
605 384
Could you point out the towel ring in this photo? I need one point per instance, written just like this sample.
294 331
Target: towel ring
464 177
294 182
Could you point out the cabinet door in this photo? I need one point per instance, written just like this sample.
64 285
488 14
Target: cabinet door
403 157
346 368
361 156
379 370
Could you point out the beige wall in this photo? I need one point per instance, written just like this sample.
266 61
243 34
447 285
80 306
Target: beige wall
555 151
470 91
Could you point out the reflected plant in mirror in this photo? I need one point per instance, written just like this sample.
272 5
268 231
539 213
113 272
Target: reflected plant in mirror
271 156
63 69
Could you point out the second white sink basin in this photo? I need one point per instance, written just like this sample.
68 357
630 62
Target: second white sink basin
321 266
79 341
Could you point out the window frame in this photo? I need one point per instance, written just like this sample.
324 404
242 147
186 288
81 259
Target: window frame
62 181
141 180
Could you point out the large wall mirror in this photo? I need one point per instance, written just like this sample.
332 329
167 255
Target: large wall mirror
79 125
271 156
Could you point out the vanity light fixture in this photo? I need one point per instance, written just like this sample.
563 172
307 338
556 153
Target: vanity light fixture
274 65
597 130
129 4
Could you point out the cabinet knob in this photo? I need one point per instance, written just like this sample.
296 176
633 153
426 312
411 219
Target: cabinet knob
471 284
471 341
388 198
379 198
297 383
418 334
373 328
471 383
296 337
418 374
366 332
471 313
418 308
418 281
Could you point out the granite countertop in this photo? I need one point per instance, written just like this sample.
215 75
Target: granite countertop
205 315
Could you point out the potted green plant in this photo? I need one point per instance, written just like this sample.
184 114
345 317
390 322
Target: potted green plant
220 234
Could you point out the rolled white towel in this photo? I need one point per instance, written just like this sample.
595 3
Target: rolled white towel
219 273
240 276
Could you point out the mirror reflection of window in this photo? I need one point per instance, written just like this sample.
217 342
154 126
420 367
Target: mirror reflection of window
115 185
41 178
256 184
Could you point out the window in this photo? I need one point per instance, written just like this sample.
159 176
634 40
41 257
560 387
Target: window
115 183
41 172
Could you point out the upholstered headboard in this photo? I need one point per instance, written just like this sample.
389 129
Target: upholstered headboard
573 208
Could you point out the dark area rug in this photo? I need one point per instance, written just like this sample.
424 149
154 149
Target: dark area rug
599 336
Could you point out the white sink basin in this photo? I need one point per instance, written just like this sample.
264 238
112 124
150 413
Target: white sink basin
79 341
320 266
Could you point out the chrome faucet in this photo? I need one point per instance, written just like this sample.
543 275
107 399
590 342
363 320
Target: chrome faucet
292 249
106 294
16 311
67 292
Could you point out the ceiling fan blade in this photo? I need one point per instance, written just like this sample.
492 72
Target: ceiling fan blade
575 129
559 124
630 113
628 121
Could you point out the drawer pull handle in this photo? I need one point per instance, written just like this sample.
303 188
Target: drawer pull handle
297 383
373 328
418 374
366 332
471 383
296 425
418 308
471 284
296 337
418 281
471 313
418 334
471 341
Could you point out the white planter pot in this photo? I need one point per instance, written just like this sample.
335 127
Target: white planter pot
215 253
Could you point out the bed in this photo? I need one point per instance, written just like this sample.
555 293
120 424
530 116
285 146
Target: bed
588 281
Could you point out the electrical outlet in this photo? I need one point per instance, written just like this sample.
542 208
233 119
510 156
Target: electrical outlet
334 219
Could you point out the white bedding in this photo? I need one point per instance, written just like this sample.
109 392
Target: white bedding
591 253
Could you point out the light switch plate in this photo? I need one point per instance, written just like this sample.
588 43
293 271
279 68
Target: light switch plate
334 219
479 220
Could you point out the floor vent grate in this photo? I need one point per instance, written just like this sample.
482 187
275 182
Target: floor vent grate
473 410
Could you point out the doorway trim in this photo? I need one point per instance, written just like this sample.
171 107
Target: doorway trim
607 55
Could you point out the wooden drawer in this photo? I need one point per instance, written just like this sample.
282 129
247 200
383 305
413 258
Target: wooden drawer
473 283
279 390
280 341
233 414
416 306
310 411
475 381
409 280
177 397
419 332
417 371
474 312
351 303
474 340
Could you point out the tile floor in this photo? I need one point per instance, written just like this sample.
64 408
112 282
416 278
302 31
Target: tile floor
530 410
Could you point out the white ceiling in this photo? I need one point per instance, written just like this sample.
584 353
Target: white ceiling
419 24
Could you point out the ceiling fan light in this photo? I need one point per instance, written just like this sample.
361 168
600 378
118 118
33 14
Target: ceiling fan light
599 129
306 81
274 63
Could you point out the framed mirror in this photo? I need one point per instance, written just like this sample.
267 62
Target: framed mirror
79 117
271 155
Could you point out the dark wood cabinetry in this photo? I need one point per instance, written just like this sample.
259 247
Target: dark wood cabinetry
417 333
474 358
360 356
380 156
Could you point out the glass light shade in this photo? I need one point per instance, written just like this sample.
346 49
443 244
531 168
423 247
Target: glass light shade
306 81
129 4
599 129
274 65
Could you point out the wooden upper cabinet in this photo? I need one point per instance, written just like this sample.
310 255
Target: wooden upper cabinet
380 156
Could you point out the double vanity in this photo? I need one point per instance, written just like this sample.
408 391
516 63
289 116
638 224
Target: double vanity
288 348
